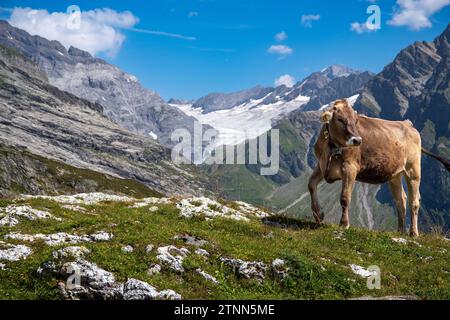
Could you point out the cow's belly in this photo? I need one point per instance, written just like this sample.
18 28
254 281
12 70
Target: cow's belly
374 176
379 172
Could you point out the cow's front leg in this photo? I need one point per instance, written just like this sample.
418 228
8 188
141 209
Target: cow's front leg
314 181
348 182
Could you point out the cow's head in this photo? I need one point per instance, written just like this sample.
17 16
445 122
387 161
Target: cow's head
342 120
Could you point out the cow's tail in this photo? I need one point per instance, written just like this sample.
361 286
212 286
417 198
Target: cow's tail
445 162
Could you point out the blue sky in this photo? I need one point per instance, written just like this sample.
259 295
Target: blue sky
223 45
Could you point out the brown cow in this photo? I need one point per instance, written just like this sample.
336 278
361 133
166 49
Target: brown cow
354 147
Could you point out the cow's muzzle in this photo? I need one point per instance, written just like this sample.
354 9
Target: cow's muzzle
354 141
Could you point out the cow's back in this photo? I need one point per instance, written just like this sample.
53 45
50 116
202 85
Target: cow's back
386 149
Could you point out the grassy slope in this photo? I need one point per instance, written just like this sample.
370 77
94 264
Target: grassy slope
54 177
404 270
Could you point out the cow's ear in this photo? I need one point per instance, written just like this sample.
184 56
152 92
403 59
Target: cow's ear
326 117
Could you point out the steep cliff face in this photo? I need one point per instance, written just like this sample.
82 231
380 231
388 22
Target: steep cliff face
389 94
54 124
124 100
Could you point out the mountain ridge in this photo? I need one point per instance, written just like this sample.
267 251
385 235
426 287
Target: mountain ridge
124 100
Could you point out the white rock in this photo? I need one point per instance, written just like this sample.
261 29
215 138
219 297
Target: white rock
279 268
139 290
202 252
172 257
60 238
72 207
360 271
149 248
71 252
135 289
207 276
247 269
150 201
404 241
12 212
154 269
169 295
8 221
83 198
400 240
201 206
89 273
14 252
101 236
127 249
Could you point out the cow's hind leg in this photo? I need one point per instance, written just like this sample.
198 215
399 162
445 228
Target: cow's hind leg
396 187
314 181
348 183
413 181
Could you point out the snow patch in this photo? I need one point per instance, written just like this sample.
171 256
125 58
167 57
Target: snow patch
246 121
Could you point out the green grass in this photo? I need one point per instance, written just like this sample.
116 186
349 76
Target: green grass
318 262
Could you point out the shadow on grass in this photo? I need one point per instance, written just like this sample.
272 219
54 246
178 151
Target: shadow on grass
284 222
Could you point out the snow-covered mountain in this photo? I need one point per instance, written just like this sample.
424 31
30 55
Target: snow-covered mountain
247 114
244 121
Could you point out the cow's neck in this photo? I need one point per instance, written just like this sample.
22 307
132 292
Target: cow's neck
334 149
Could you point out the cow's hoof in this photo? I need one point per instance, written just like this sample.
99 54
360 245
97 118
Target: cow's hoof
319 219
345 225
414 234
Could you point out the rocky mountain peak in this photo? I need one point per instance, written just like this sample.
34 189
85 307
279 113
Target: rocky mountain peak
337 71
442 43
125 101
75 52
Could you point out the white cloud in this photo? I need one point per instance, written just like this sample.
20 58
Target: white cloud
286 80
360 27
281 36
280 49
307 19
98 29
192 14
416 14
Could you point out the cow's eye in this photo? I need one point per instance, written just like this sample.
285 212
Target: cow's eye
341 120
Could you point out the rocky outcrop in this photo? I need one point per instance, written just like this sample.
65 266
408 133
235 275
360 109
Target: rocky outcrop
10 214
51 123
11 252
122 97
59 238
89 281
